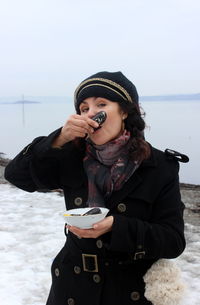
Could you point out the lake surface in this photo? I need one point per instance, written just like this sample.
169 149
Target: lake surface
174 124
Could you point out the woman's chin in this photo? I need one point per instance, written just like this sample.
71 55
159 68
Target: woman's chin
100 137
98 141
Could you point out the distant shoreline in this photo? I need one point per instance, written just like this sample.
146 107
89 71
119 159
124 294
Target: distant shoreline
20 102
172 97
52 99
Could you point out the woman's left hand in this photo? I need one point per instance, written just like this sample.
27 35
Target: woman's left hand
98 229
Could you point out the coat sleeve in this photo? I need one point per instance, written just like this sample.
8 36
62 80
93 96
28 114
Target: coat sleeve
37 166
162 236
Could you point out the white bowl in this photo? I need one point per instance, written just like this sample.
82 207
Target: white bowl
84 222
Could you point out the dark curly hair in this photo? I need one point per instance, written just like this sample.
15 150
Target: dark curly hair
139 149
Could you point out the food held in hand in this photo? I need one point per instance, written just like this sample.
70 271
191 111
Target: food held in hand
100 118
93 211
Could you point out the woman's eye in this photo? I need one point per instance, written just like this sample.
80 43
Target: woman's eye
84 110
101 105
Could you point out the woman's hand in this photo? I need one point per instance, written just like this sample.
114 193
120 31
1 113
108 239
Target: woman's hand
76 126
98 229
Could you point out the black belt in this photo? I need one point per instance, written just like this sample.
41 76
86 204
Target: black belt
92 262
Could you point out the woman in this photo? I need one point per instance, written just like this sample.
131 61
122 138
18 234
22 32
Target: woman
111 166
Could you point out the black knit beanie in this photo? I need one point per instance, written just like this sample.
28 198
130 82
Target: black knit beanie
111 85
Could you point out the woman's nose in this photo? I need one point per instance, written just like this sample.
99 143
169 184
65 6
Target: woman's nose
91 113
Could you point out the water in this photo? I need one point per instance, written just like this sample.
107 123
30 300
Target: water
176 125
173 124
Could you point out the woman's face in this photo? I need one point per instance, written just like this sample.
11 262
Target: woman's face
112 127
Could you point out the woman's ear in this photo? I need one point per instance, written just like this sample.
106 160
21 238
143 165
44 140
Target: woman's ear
124 116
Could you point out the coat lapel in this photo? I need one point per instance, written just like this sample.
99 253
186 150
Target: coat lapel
128 187
134 181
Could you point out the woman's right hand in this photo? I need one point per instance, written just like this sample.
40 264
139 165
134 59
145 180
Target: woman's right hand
76 126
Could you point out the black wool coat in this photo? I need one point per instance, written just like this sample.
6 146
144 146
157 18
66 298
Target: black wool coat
148 224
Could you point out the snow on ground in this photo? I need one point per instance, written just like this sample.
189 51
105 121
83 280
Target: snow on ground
31 234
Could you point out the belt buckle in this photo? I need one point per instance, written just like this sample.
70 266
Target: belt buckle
90 259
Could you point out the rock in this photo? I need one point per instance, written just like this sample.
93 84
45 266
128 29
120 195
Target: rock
3 163
2 179
191 199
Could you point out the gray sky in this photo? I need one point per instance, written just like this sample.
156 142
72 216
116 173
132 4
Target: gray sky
48 46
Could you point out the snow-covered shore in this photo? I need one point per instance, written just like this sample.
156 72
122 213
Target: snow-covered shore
31 230
31 233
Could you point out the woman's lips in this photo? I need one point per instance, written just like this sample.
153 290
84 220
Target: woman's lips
97 129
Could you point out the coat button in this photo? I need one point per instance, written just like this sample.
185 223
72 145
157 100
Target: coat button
99 243
135 296
70 301
121 207
96 278
78 201
57 272
77 269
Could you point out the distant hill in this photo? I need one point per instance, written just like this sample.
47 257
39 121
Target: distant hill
171 97
20 102
25 102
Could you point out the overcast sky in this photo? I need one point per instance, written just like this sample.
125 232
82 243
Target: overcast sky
48 46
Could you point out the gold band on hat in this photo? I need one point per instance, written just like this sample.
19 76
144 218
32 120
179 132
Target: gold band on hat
124 94
101 85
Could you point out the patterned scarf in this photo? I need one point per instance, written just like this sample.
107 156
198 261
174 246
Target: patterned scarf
108 167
